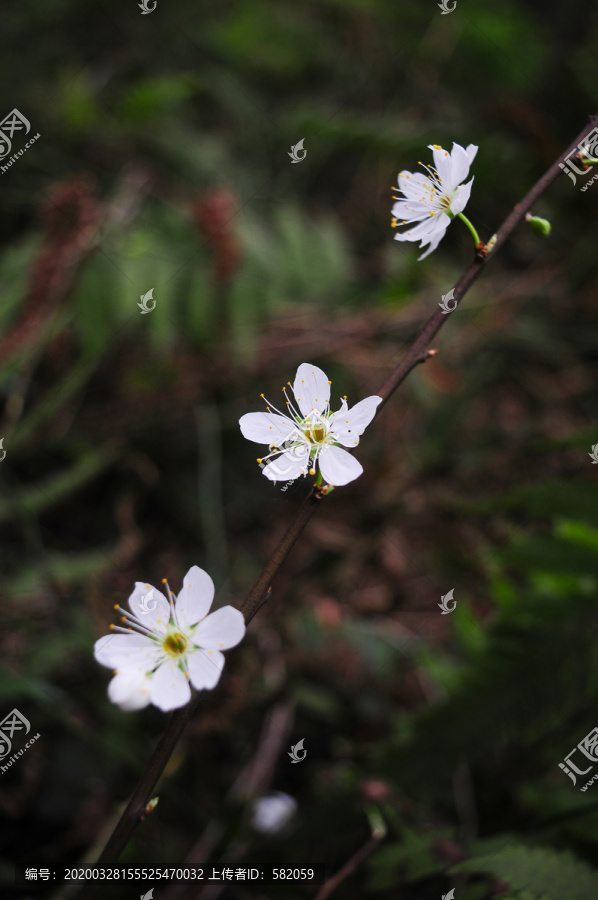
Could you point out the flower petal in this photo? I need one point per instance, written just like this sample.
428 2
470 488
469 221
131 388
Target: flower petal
338 467
434 239
195 598
411 210
289 464
129 689
205 668
265 427
271 813
349 425
155 619
169 687
443 165
423 230
471 151
461 197
311 389
118 650
220 630
461 165
416 187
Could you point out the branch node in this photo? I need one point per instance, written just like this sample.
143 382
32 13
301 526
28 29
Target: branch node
149 807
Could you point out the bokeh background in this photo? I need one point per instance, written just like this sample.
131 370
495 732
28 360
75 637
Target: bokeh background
162 163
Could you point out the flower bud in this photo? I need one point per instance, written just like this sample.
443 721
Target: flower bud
539 226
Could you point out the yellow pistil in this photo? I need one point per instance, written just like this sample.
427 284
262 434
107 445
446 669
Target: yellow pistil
175 644
318 433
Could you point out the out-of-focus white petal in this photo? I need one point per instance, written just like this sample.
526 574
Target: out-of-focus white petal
118 650
129 689
205 668
338 467
195 598
311 389
349 425
270 814
169 687
156 619
220 630
265 427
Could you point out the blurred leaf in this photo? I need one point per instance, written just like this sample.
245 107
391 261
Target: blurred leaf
149 100
542 871
35 499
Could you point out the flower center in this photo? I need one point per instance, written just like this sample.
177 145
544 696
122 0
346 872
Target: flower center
175 644
318 433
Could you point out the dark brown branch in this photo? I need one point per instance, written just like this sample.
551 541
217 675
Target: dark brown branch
259 592
350 866
135 808
416 354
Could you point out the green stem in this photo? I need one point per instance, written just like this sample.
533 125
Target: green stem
476 236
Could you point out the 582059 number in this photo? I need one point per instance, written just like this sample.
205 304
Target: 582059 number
293 874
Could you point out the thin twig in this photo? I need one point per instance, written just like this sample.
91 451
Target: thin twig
259 592
416 354
349 867
135 808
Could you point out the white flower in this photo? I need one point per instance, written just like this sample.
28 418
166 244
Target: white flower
177 642
309 432
434 199
271 813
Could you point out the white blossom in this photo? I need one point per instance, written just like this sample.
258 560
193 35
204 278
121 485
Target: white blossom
433 200
309 433
164 649
271 813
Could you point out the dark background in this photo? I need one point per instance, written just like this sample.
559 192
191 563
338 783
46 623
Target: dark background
163 163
